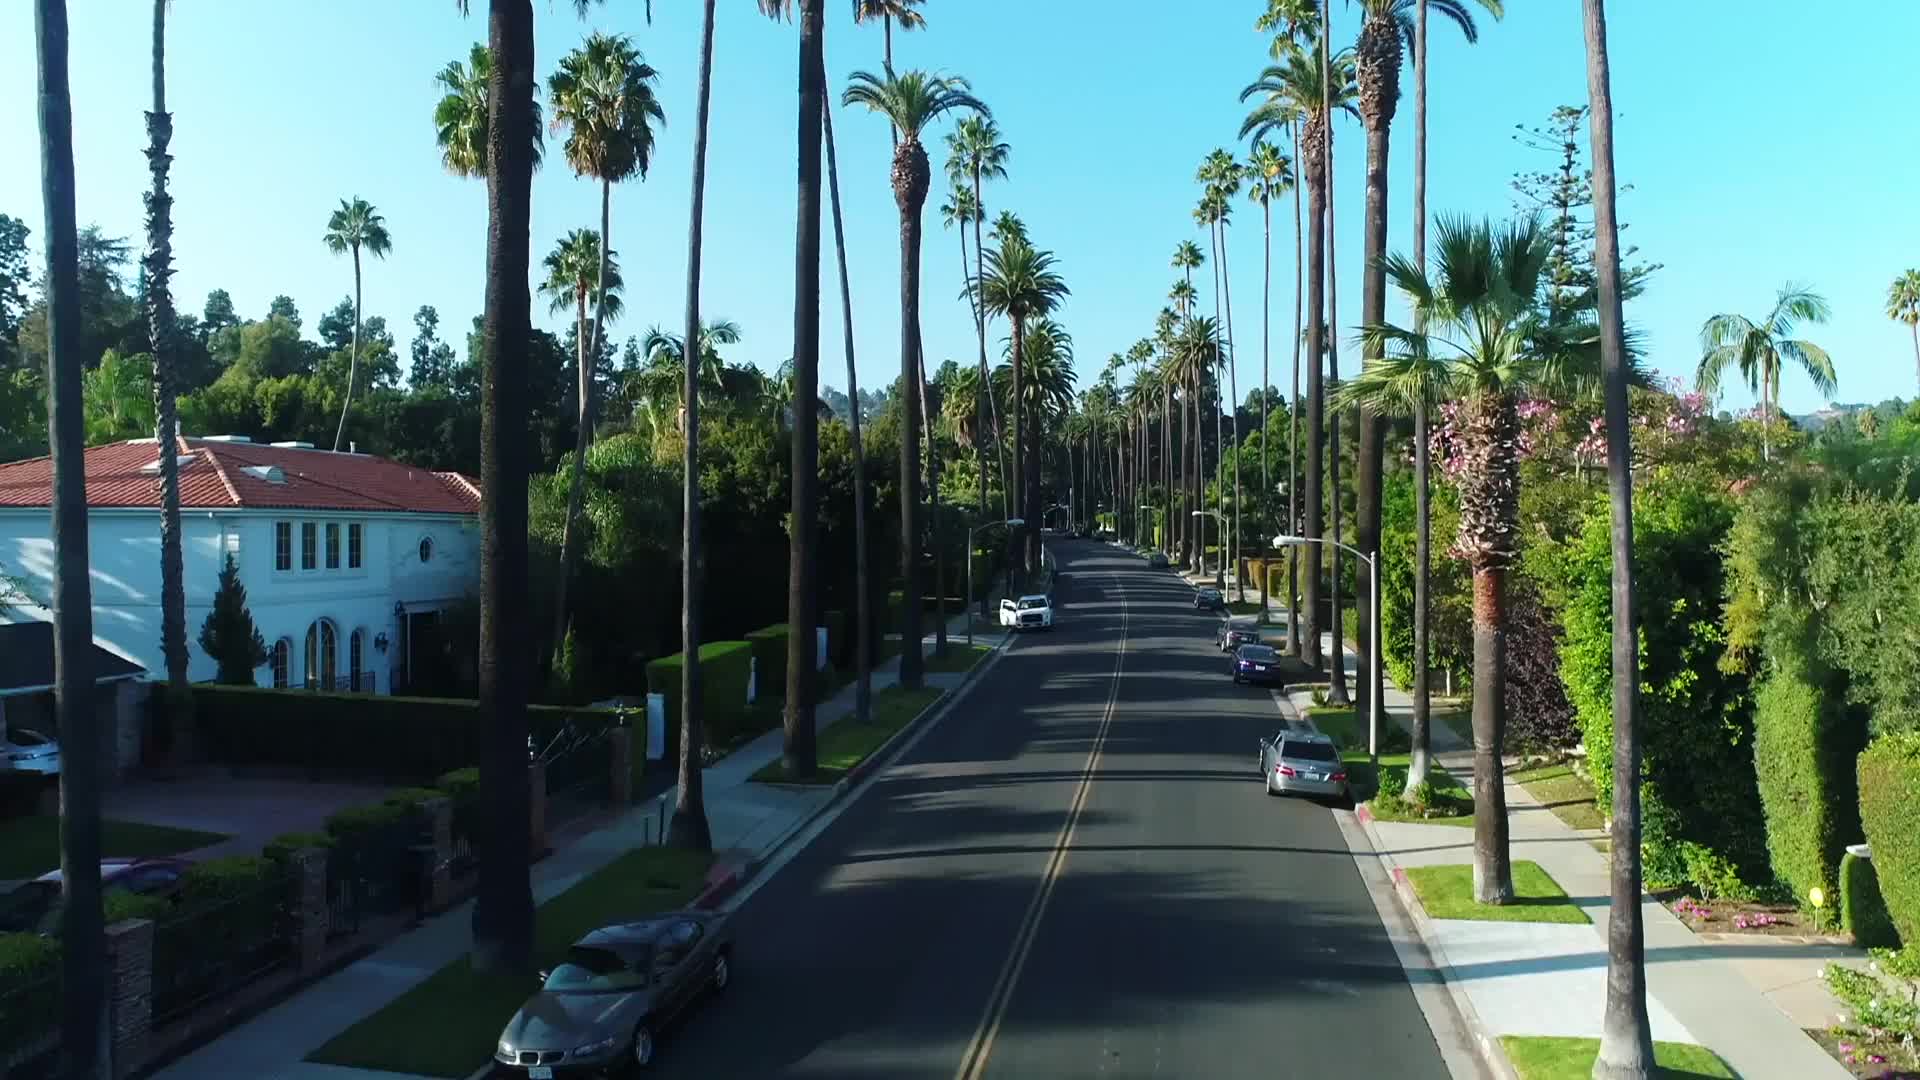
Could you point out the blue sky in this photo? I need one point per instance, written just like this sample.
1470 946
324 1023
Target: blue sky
1747 170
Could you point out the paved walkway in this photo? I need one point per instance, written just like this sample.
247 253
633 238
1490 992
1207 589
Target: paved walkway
1747 998
748 820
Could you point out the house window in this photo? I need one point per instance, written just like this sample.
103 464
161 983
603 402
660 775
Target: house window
354 659
283 545
426 548
308 535
322 656
353 547
282 657
333 546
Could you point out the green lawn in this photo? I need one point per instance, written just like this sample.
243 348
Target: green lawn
1540 1057
1243 607
849 742
447 1025
959 658
1562 791
30 846
1447 893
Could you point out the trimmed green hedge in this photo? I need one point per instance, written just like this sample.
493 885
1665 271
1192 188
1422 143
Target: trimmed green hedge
28 962
396 738
1890 812
770 659
228 910
724 666
1803 762
1863 911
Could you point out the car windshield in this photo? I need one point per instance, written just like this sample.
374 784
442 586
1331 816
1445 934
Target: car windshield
588 971
1028 603
1309 751
23 737
1256 652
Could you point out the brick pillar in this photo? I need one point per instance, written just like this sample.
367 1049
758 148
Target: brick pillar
537 805
439 815
129 992
620 754
312 914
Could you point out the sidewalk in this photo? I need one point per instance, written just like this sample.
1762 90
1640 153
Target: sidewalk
748 822
1745 998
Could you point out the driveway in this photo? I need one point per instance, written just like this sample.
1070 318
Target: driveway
249 812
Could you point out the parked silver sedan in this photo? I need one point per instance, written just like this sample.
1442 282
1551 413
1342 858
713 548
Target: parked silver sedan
602 1008
1301 763
25 750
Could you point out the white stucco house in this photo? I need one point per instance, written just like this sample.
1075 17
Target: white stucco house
350 561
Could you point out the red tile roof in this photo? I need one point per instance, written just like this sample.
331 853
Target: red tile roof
215 478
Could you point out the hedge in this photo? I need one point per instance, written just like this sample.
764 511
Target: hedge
227 911
28 962
1863 911
1889 776
770 660
1803 762
394 738
724 666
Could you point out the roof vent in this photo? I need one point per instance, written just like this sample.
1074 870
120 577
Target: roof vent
225 438
292 445
270 473
152 468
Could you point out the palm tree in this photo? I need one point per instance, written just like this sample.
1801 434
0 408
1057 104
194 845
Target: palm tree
1760 350
354 226
460 117
663 377
863 593
158 264
1626 1035
1223 175
118 400
573 271
1270 173
976 152
1018 283
1187 258
910 101
1903 305
890 13
603 96
1477 336
83 956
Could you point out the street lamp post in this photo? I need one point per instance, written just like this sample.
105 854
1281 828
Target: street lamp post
1011 523
1374 713
1136 525
1220 561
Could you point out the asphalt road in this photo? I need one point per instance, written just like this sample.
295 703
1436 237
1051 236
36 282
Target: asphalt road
947 926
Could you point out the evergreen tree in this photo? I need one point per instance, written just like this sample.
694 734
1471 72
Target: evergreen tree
229 635
1563 199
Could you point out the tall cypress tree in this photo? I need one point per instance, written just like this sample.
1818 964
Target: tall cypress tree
229 635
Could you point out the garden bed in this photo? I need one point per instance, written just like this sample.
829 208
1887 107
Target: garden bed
1745 917
1865 1053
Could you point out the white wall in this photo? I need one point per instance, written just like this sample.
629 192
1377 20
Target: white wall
124 549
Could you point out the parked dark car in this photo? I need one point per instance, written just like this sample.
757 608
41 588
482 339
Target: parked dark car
1157 561
1230 637
601 1009
1257 664
1209 599
34 907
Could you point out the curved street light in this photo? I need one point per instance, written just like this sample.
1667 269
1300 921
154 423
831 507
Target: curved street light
1376 710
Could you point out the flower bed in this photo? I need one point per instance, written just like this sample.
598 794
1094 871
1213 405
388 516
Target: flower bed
1745 917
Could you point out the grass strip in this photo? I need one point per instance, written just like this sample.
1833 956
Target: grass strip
449 1024
1542 1057
30 846
1447 893
960 657
849 742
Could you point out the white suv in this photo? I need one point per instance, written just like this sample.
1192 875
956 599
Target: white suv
1027 613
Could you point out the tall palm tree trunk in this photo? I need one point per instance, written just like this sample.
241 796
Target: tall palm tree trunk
986 391
1219 426
1626 1036
1370 677
1266 401
83 957
1293 437
909 191
1337 687
353 354
689 829
1016 406
863 592
1230 540
1312 517
1489 495
932 451
503 907
160 330
588 347
798 749
1420 758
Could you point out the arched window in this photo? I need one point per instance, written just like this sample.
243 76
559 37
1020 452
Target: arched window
354 658
282 659
322 656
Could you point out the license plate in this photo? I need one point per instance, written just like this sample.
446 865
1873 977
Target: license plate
540 1072
1314 776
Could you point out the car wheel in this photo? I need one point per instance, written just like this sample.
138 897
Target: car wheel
641 1052
721 973
1269 783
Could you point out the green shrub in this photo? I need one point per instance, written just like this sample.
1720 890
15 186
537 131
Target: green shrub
1803 762
1390 784
1889 773
1711 874
357 821
29 968
118 905
282 847
228 911
770 660
724 666
460 782
1863 912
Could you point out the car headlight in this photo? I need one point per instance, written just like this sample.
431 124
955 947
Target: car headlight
504 1050
593 1048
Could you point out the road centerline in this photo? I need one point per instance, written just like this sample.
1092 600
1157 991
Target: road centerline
973 1063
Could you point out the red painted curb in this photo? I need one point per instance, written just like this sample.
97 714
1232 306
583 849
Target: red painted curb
722 880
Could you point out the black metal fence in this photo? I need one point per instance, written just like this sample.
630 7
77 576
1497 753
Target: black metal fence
30 1029
207 949
375 872
579 769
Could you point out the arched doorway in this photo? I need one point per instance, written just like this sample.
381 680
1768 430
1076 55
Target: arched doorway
356 658
282 663
323 656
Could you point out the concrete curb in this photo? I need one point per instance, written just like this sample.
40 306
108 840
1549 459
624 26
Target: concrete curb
1492 1055
726 879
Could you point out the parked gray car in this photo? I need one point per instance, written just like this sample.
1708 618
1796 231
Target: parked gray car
1298 763
601 1009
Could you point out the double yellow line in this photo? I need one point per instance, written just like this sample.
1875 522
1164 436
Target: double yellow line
973 1064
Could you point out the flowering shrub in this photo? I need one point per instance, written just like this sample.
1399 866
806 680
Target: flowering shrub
1883 1009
